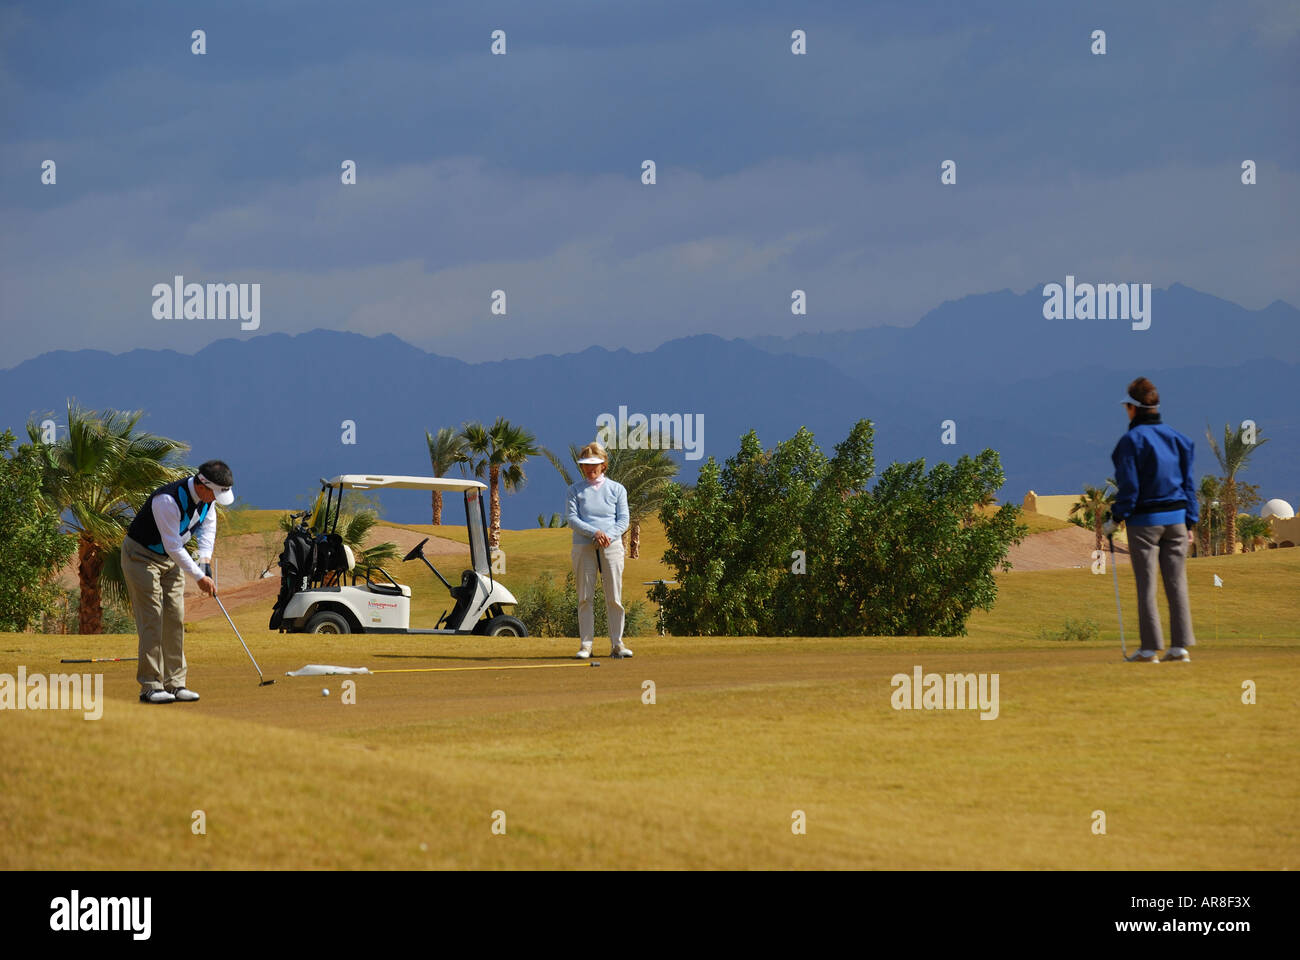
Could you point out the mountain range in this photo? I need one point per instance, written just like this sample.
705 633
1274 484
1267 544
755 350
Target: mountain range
1045 394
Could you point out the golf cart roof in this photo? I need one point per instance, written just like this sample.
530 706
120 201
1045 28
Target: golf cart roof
365 481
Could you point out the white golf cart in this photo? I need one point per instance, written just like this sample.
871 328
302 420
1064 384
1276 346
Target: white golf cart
315 566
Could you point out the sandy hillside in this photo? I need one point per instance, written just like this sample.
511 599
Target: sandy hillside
1060 549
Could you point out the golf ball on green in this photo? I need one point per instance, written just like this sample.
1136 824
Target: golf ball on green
325 692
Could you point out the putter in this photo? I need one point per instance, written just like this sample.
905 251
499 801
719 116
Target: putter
597 546
1119 612
264 682
100 660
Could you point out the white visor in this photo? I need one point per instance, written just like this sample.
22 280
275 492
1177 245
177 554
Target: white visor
225 495
1141 406
591 460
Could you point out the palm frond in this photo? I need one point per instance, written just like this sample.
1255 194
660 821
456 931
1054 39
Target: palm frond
377 556
559 465
357 528
446 450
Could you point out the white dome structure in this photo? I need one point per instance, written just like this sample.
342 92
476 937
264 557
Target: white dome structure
1277 508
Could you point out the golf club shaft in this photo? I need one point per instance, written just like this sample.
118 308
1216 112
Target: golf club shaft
1114 572
241 639
100 660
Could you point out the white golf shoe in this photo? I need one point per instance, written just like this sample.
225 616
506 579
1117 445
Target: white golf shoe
185 694
157 696
584 652
620 652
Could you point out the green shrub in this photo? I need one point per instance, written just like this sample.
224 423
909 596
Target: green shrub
789 542
1071 631
31 547
65 615
549 610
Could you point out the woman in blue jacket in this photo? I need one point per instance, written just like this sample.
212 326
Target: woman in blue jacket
1156 499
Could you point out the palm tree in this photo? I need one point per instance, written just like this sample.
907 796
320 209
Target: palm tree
499 452
1094 506
1232 459
446 450
645 473
97 475
1254 531
1208 495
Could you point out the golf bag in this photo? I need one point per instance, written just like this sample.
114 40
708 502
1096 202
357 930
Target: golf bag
331 560
307 561
297 566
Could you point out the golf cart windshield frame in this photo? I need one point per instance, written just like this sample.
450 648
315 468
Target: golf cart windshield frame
476 529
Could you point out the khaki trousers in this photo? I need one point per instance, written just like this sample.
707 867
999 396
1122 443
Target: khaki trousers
1160 553
156 586
611 572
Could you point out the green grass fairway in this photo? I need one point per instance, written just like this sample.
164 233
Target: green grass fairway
744 733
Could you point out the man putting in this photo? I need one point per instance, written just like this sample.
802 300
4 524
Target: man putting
153 558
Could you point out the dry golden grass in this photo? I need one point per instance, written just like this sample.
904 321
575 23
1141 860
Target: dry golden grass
744 733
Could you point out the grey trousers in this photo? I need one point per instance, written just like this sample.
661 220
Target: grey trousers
1163 548
157 589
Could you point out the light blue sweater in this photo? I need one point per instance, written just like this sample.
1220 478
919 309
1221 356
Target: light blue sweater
590 509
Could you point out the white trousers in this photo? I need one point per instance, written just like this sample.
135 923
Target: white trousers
611 573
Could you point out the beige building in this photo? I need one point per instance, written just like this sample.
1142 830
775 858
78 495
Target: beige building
1286 533
1286 525
1051 505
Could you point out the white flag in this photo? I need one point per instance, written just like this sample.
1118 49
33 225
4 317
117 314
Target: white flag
1217 581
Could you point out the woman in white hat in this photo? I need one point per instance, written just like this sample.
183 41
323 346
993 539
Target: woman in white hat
597 513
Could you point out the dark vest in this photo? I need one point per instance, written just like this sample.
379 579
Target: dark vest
144 529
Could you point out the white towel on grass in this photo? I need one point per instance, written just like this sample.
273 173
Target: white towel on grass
323 669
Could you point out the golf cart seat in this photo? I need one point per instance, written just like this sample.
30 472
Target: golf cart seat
463 595
467 584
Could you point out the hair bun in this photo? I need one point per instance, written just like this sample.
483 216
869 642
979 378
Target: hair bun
1144 392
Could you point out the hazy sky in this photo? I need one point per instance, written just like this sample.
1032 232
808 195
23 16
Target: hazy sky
522 172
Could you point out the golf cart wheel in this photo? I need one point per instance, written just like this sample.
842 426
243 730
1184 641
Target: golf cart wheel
502 626
327 621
